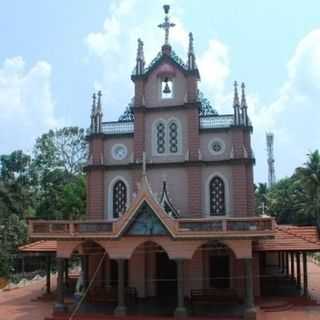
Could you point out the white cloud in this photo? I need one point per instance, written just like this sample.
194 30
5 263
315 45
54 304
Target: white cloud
294 115
26 103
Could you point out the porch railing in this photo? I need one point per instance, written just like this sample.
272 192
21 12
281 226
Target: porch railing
216 225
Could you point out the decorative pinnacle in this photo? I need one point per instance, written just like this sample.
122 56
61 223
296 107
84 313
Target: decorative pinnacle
166 25
243 96
99 101
191 50
93 110
140 54
236 96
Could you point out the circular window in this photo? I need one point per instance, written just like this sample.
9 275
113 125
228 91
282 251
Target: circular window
119 151
216 146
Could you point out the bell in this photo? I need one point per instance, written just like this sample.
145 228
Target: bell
166 89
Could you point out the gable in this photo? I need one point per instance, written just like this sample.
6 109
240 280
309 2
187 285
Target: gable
146 222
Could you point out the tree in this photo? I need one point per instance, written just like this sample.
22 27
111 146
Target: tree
261 192
309 178
63 149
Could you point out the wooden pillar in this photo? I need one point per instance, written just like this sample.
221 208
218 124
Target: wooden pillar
305 274
60 306
48 274
180 309
292 265
121 309
298 270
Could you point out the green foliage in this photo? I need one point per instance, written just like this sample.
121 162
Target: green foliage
49 185
295 199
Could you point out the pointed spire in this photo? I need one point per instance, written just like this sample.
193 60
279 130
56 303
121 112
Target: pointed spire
236 105
140 58
93 112
244 106
191 56
99 108
93 109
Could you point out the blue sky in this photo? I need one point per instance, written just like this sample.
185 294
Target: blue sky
55 53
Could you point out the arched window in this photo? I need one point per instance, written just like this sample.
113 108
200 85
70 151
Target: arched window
161 137
119 199
217 197
173 137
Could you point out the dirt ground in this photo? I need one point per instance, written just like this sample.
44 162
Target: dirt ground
19 304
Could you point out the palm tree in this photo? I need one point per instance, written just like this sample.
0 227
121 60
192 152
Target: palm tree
309 178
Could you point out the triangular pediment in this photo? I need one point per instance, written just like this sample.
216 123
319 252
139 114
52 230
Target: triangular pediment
146 223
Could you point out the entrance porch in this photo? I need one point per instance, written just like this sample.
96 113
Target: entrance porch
159 276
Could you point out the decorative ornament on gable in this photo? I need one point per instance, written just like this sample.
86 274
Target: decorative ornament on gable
166 25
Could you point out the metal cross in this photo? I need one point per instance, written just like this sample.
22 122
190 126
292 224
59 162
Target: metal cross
166 25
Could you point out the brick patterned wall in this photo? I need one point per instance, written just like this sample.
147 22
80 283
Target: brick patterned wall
237 142
95 193
194 191
193 133
96 151
250 191
138 93
192 89
239 190
139 134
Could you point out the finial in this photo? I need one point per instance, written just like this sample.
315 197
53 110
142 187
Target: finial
93 110
191 51
236 96
166 25
243 96
99 101
140 54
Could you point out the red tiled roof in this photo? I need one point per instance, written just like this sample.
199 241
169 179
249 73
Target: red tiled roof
40 246
287 238
291 238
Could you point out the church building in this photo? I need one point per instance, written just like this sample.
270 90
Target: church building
170 199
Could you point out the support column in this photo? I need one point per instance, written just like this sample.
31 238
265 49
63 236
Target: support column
292 265
121 309
298 270
250 312
60 306
66 272
180 311
305 274
287 263
48 274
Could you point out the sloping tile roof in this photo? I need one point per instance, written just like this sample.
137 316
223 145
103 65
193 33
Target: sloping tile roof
291 238
40 246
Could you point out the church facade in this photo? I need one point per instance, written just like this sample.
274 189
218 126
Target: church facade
170 196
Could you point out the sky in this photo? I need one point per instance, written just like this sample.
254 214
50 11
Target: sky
55 54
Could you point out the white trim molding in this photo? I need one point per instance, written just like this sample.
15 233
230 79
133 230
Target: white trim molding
109 213
226 193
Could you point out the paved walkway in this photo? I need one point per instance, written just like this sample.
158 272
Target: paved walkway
17 304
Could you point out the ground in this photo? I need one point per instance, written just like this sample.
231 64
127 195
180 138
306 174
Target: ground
22 304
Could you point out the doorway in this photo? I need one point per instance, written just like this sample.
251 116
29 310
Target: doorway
166 276
219 271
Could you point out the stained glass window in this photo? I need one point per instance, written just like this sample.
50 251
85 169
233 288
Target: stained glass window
217 197
173 137
119 198
161 138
